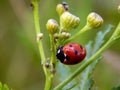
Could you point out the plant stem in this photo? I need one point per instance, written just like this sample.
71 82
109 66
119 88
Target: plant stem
49 76
49 80
37 28
48 83
85 28
53 47
112 40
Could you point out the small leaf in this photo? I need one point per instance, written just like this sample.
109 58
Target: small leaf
99 40
65 73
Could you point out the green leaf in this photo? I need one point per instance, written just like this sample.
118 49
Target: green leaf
65 73
99 40
86 75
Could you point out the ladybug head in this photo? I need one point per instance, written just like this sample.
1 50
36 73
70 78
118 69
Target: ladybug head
60 54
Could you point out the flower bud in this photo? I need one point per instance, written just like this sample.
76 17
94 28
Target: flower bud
69 21
94 20
65 35
56 35
52 26
61 8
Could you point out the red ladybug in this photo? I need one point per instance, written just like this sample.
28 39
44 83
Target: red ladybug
71 54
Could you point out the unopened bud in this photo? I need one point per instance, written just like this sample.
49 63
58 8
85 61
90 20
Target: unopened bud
65 35
52 26
94 20
56 35
39 36
61 8
69 21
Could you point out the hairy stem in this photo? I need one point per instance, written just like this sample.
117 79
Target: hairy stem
112 40
53 47
48 75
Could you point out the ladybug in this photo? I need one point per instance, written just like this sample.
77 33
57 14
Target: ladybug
71 54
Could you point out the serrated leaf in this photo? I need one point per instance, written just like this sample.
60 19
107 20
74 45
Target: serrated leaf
86 75
99 40
89 49
65 73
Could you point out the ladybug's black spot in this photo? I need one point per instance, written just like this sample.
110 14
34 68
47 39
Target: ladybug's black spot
70 45
81 47
76 52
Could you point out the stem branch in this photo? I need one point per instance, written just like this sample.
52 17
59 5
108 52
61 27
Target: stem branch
85 28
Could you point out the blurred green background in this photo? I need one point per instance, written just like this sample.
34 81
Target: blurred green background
20 66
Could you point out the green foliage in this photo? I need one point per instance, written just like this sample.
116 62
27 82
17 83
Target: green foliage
86 75
66 71
86 82
3 87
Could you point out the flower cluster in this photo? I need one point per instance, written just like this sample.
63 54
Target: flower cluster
68 21
61 33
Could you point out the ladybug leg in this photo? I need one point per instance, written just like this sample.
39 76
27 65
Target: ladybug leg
66 57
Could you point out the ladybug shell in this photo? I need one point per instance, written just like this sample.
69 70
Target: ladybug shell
72 54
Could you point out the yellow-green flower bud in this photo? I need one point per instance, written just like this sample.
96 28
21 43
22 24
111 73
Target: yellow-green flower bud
65 35
56 35
52 26
61 8
94 20
69 21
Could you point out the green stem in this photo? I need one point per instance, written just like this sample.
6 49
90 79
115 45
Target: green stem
48 83
49 80
53 47
49 76
112 40
37 28
85 28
